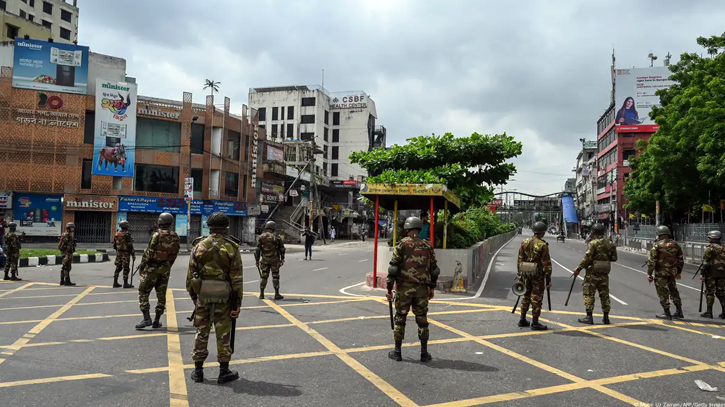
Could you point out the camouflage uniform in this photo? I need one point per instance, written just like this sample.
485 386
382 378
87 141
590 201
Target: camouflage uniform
67 247
12 250
123 245
156 263
714 275
666 262
270 255
597 279
534 250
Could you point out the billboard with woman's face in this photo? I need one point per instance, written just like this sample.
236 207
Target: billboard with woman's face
635 96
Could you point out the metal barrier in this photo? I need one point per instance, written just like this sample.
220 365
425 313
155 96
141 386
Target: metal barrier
483 252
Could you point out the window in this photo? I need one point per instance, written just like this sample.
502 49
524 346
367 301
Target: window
307 136
47 8
275 113
290 112
24 1
197 138
335 135
65 15
89 128
198 175
86 180
244 186
47 24
324 170
308 101
31 17
231 184
64 33
324 152
628 154
335 118
333 170
157 178
327 117
32 3
335 152
159 135
23 14
281 113
262 114
308 119
274 131
326 133
290 130
233 140
12 31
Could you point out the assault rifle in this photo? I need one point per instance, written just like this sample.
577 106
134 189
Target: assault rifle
390 308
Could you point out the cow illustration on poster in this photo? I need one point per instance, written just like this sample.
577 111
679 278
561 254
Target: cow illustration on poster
115 129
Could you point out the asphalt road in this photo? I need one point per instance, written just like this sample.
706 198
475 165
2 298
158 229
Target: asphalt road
326 342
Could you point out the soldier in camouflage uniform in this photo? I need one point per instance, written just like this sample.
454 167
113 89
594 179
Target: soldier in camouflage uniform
67 247
666 262
534 271
123 245
12 250
270 256
215 283
155 269
713 273
415 270
596 262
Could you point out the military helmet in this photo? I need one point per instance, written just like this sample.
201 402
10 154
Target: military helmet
413 223
715 234
663 230
12 225
539 227
123 224
270 225
599 229
70 225
166 219
218 220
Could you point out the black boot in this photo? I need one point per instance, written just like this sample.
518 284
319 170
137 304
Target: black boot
587 319
157 322
126 284
115 282
146 321
198 374
68 282
523 323
707 313
261 294
666 315
424 355
62 279
226 375
395 354
7 277
605 320
276 295
15 277
678 313
536 326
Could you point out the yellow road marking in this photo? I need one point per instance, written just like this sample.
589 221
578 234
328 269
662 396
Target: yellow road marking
690 330
22 287
378 382
177 381
53 380
325 302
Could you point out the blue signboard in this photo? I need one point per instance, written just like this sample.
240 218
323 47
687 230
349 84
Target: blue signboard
567 202
38 215
50 66
178 206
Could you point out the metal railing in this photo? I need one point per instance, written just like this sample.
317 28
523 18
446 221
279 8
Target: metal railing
693 232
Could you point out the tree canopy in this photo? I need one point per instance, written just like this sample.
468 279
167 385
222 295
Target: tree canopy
469 166
683 164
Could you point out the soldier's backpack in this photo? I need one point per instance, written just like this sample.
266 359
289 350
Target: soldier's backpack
120 239
215 286
529 269
167 247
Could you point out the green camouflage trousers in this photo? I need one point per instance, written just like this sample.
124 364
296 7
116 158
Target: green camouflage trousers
153 281
534 295
66 267
123 261
592 284
222 326
11 264
415 296
266 269
714 287
667 287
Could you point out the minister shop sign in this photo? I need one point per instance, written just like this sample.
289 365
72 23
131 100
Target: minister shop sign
114 141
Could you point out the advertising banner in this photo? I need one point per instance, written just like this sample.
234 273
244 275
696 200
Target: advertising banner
50 66
181 221
178 206
120 217
635 96
38 215
275 154
114 145
204 227
6 200
567 203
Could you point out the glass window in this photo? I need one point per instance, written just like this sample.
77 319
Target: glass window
327 117
47 8
198 175
262 114
65 15
159 135
335 152
231 184
86 180
325 132
336 118
275 113
197 138
89 128
333 171
335 135
233 146
290 112
290 131
308 119
157 178
64 33
308 101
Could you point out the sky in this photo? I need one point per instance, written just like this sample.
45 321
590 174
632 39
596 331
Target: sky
537 70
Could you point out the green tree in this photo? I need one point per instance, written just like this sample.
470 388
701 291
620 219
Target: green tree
212 85
683 164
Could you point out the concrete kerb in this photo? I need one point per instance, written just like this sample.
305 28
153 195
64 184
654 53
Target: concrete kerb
55 260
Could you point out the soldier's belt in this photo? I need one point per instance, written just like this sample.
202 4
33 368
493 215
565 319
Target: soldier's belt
528 269
214 291
601 267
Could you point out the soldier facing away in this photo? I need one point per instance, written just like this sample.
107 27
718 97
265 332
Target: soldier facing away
596 262
155 269
713 273
123 245
415 270
534 271
666 262
67 247
270 256
12 246
215 282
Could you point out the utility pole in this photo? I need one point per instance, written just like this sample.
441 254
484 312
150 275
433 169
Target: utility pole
313 184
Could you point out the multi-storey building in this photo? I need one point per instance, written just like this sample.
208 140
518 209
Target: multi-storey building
40 19
586 183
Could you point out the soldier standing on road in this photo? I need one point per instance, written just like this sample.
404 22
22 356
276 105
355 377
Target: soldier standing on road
713 273
67 247
534 271
596 262
415 270
12 247
666 261
123 245
215 282
155 269
270 255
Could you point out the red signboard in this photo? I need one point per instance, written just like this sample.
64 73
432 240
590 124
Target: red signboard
642 128
496 202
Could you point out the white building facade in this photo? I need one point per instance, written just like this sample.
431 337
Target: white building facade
60 17
586 188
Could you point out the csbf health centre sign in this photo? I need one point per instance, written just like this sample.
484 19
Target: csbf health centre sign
114 143
50 66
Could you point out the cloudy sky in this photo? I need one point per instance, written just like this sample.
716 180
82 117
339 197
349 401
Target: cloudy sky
537 70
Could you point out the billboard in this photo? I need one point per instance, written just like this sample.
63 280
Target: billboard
114 144
37 214
275 154
50 66
635 96
567 203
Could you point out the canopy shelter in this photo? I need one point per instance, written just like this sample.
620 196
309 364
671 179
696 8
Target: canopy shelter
409 197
